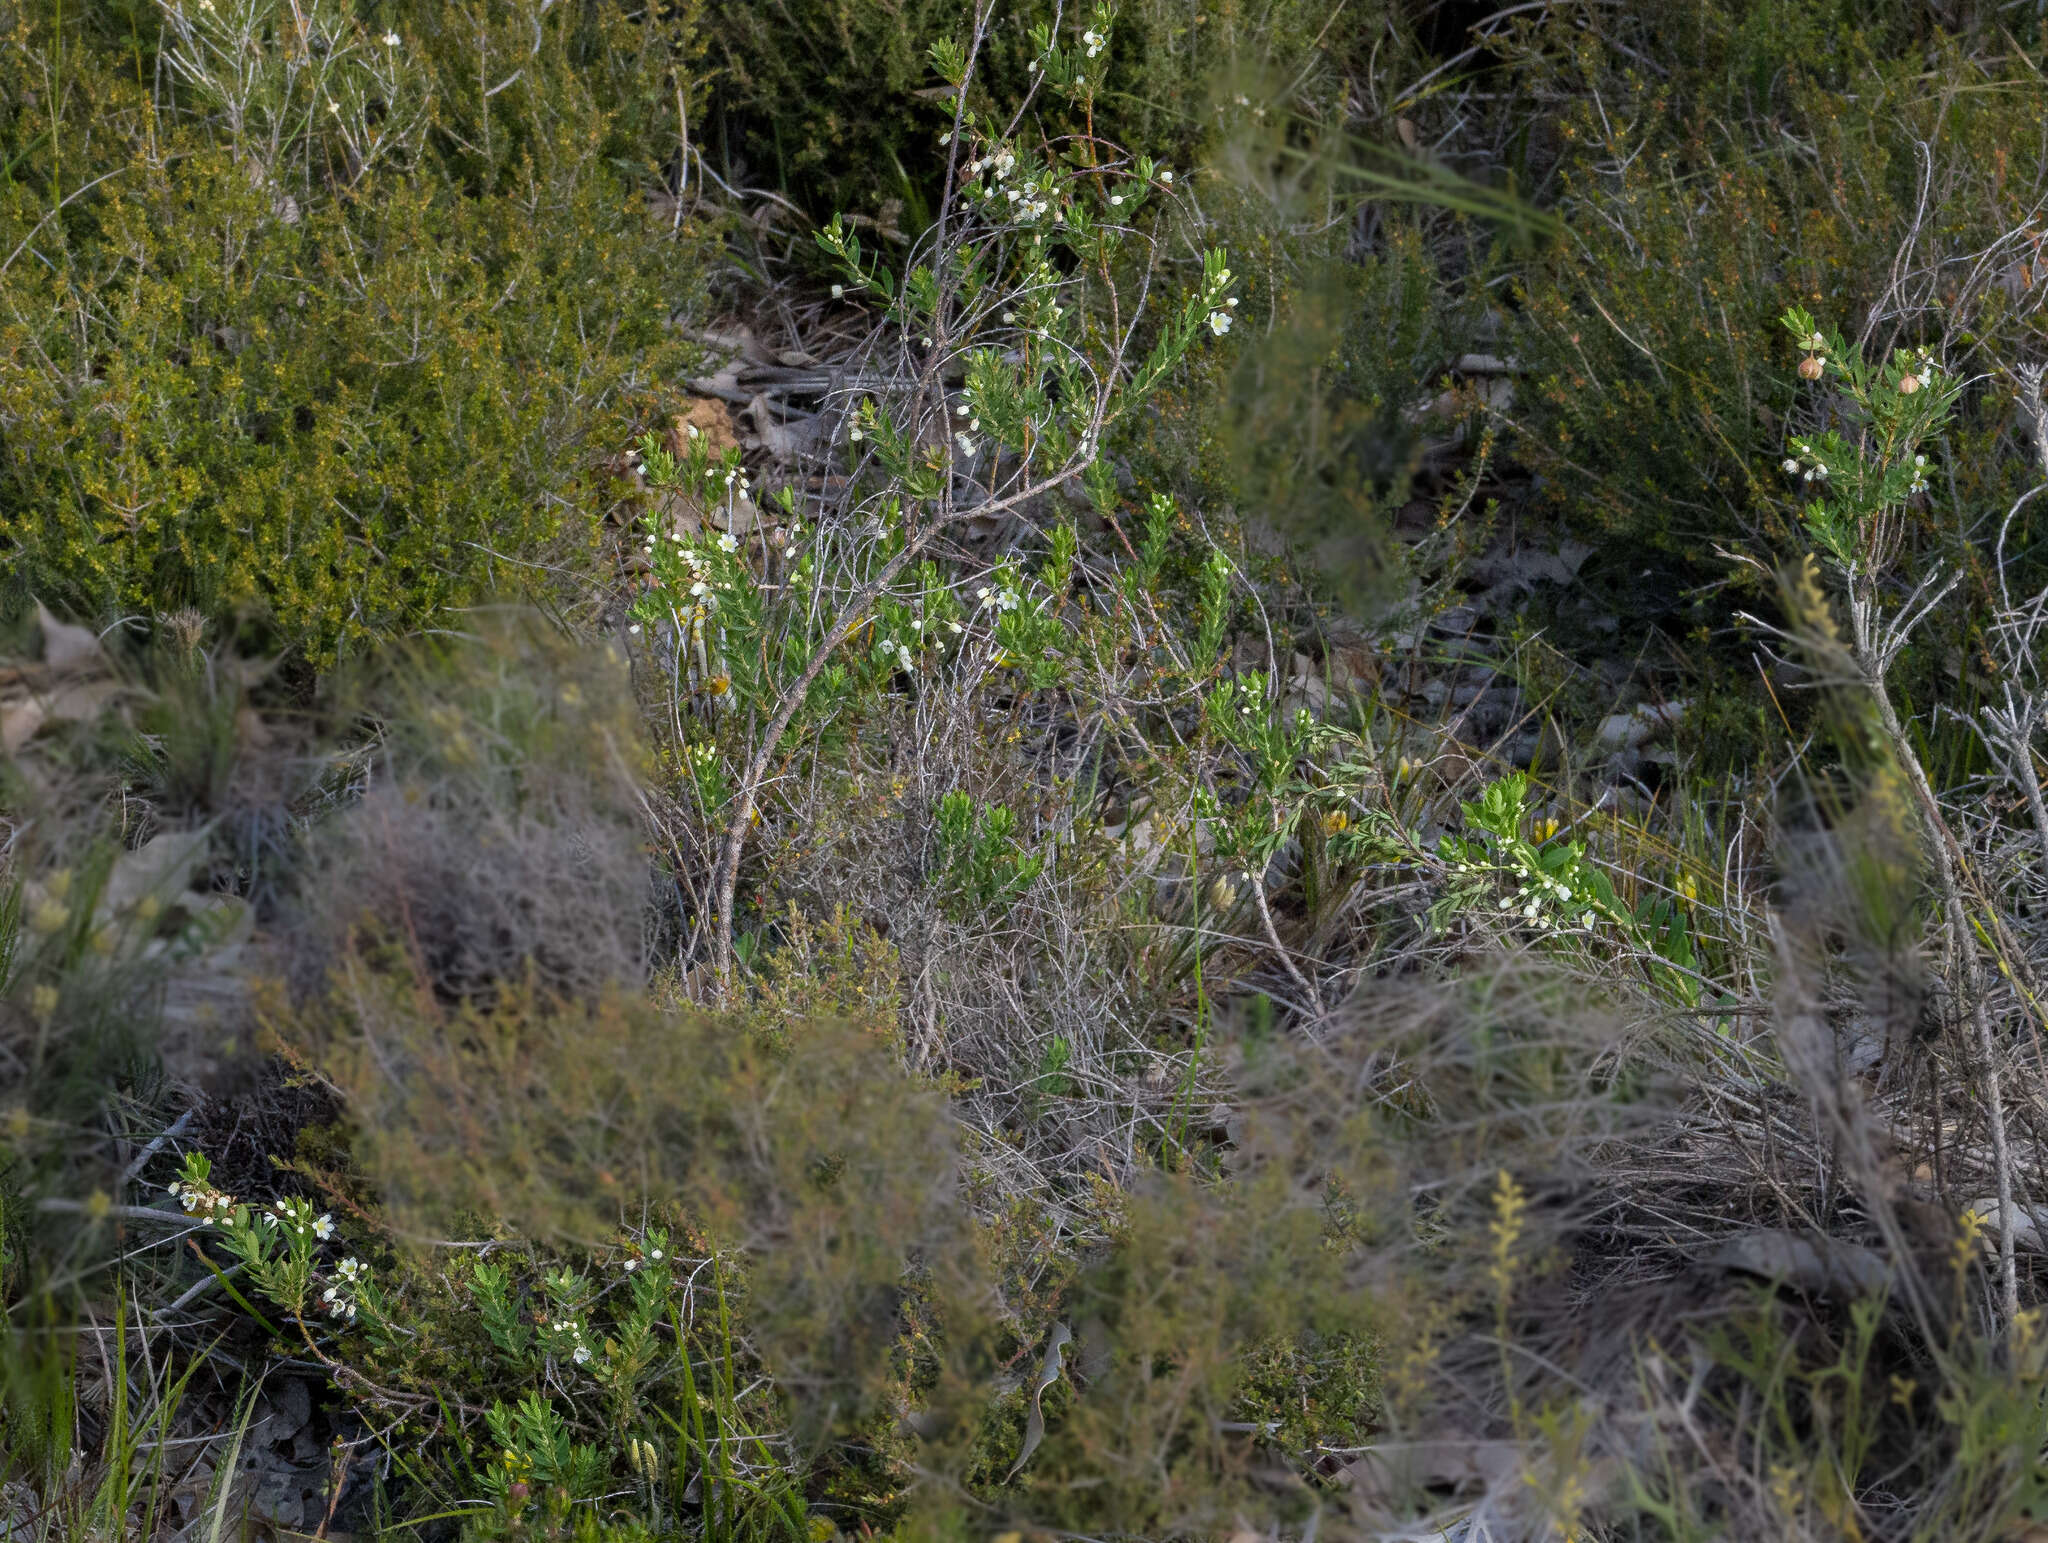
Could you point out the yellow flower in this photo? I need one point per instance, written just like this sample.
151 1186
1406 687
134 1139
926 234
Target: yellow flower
1688 887
1544 830
1335 821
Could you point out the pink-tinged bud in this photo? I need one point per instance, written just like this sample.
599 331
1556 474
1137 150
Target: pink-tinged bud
1908 384
1810 368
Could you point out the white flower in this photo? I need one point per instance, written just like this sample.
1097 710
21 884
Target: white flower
390 40
323 1229
632 1265
946 138
1919 460
634 630
1167 175
1009 316
838 291
967 446
960 411
727 542
1116 198
336 111
581 1355
1791 466
903 656
1219 322
854 434
1820 471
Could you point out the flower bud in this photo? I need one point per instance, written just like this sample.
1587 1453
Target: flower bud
1810 368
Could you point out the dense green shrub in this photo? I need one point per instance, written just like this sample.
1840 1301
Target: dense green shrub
324 328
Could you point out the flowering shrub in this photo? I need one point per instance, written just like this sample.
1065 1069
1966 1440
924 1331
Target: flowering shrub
1859 486
1558 890
1032 290
279 1245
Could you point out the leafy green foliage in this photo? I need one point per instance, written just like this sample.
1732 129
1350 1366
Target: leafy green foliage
981 861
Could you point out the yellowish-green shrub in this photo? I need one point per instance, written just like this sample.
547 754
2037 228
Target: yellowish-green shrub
331 332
